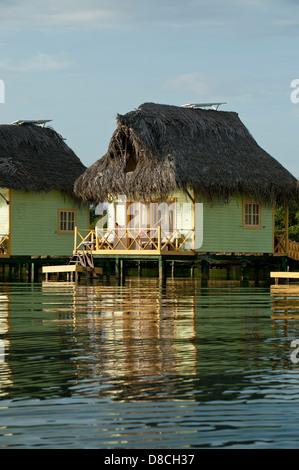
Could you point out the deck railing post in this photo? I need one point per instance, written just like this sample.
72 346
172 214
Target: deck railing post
287 229
97 239
159 237
75 239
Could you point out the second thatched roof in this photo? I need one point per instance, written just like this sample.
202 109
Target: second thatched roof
36 158
158 149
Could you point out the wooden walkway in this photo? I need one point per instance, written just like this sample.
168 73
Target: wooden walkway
70 269
284 275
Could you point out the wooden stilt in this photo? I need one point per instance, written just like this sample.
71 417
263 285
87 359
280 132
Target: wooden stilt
162 269
192 271
172 269
256 272
204 269
122 270
36 272
244 270
108 268
17 270
116 268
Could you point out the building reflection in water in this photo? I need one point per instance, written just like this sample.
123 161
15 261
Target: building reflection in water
5 371
140 341
146 340
136 334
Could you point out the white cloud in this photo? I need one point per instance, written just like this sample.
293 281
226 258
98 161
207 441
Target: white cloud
77 17
40 62
73 14
205 87
286 22
237 15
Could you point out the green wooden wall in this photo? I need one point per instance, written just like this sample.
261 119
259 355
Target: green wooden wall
34 223
219 226
222 229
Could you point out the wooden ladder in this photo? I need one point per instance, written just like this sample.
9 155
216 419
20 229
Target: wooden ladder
83 259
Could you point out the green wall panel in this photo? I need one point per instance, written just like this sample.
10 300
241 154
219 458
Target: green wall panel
34 223
223 229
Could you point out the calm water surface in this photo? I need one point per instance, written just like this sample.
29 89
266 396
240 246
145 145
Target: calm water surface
184 365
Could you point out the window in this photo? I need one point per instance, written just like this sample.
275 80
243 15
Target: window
251 214
66 220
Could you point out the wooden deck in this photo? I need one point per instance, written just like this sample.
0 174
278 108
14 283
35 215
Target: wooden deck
156 241
135 242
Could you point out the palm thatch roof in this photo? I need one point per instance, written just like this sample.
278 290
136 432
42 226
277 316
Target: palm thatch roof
158 149
35 158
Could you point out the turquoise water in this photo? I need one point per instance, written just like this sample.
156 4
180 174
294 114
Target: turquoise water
141 366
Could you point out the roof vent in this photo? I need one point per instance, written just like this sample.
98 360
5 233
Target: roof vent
214 106
40 122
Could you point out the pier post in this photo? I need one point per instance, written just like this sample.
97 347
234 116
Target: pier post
108 268
122 271
204 269
17 270
35 271
192 271
116 267
162 269
256 272
29 272
172 268
284 263
244 270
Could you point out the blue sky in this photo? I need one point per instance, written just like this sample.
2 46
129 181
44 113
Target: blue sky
80 62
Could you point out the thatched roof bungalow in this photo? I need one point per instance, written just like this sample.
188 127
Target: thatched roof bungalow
159 149
38 207
36 158
203 155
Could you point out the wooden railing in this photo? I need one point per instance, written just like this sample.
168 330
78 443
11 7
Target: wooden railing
4 245
281 242
129 239
293 251
284 246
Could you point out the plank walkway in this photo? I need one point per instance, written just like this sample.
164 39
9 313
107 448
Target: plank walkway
70 268
284 275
